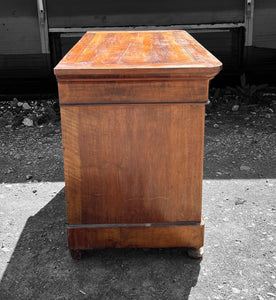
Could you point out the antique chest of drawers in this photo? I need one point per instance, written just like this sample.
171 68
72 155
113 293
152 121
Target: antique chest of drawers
132 115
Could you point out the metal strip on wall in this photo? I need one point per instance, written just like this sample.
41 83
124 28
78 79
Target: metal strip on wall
209 27
43 26
249 18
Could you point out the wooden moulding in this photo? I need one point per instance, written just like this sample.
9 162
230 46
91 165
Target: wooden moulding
138 53
185 234
130 91
136 67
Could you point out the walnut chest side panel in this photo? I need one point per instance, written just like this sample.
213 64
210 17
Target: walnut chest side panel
133 163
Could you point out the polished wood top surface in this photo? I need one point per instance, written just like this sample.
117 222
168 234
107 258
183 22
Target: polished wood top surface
139 52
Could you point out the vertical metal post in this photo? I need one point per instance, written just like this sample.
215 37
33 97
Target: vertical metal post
249 16
43 26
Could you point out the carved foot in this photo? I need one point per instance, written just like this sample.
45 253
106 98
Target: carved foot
195 252
76 253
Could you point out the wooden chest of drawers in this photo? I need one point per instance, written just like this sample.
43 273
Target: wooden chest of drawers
132 110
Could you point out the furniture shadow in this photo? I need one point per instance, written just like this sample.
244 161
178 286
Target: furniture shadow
42 268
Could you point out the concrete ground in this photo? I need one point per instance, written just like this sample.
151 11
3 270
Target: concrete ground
239 260
239 192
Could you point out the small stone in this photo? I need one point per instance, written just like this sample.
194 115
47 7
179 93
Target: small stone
216 126
271 294
5 249
246 119
3 122
235 291
29 176
219 173
240 201
26 106
244 168
268 116
235 107
14 102
28 122
19 104
17 156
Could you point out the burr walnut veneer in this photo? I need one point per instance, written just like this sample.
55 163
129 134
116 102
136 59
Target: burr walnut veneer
132 110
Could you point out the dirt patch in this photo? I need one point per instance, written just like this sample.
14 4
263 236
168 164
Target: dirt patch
238 144
31 146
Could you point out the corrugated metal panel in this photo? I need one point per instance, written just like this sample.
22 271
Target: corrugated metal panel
226 45
26 73
264 26
19 31
87 13
25 65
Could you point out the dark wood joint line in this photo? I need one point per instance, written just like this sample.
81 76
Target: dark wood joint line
135 225
135 103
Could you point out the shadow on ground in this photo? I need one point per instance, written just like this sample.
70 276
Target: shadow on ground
41 267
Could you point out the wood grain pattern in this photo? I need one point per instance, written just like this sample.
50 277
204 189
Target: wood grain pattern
133 163
133 91
132 112
148 236
115 52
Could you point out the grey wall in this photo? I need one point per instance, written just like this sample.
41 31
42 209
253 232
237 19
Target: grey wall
23 67
20 45
264 26
78 13
19 31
